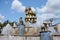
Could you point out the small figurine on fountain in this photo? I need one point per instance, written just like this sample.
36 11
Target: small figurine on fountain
21 27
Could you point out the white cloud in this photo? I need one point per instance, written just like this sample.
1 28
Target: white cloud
33 9
51 8
41 18
1 17
17 5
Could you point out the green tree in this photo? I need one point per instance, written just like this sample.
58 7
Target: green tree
6 22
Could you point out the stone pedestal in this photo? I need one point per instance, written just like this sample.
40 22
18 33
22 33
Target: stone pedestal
56 36
45 35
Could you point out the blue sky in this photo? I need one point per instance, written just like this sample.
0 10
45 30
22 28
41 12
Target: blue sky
14 9
13 15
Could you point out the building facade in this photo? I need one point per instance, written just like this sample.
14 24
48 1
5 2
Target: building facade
30 15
